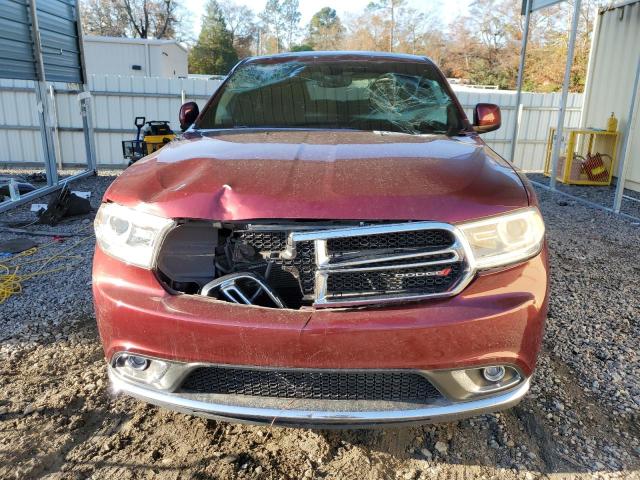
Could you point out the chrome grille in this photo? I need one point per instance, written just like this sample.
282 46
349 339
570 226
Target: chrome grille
367 264
385 263
312 384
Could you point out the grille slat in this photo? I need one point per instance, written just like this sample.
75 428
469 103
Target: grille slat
435 257
315 385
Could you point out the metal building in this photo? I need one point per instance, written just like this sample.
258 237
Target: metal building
41 43
135 56
612 82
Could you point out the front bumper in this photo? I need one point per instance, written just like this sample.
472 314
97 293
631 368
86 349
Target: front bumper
498 319
318 414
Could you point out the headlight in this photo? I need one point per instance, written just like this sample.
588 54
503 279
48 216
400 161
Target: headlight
505 239
130 235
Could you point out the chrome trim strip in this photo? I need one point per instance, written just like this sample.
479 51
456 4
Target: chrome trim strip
358 300
322 253
342 268
370 230
344 419
375 258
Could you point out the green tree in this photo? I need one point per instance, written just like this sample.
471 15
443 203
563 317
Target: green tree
134 18
292 16
240 21
304 47
273 19
325 30
281 20
213 53
391 9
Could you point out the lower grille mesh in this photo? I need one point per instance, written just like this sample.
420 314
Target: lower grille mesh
304 262
265 241
315 385
396 280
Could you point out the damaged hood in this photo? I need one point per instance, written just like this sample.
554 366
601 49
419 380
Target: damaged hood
333 175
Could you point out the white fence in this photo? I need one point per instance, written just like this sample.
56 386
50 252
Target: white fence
117 100
539 112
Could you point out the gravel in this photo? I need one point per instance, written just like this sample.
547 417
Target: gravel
61 297
59 420
600 195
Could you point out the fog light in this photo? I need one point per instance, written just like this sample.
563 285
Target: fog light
494 373
139 368
137 363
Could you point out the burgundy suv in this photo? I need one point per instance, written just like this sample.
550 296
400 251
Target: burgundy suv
329 243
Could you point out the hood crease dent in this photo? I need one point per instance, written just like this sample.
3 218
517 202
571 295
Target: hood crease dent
332 175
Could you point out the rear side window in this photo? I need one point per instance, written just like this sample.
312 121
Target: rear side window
361 95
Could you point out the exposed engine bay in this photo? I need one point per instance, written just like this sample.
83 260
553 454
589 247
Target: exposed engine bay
309 264
241 263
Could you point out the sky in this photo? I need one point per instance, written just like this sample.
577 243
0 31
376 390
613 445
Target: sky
447 9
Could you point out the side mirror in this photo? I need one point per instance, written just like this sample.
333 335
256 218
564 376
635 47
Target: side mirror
486 117
188 114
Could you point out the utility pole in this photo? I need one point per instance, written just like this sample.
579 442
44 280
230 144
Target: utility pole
391 6
523 53
557 144
393 25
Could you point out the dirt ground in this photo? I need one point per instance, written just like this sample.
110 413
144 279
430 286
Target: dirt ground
60 420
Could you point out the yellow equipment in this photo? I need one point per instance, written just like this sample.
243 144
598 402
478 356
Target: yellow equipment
612 123
589 157
155 134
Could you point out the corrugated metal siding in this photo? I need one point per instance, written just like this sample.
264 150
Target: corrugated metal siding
612 69
633 170
18 108
174 63
58 36
16 51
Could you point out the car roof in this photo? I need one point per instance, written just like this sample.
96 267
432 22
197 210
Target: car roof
338 56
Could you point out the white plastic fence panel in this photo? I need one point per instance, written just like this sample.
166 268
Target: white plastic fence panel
540 112
117 100
21 142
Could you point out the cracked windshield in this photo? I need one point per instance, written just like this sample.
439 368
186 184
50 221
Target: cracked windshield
386 96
